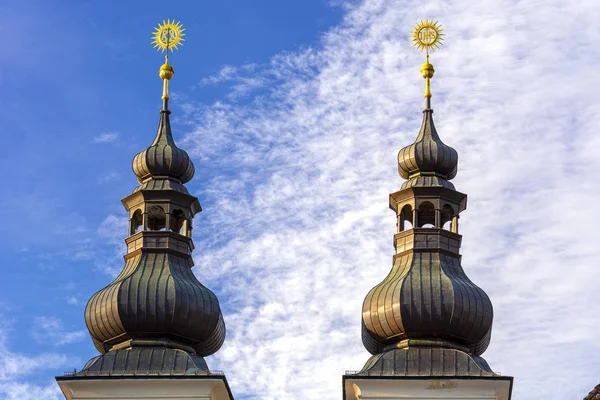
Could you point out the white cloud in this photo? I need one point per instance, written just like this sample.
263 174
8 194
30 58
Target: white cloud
242 80
106 137
112 231
14 367
28 391
50 330
226 73
299 232
109 177
73 300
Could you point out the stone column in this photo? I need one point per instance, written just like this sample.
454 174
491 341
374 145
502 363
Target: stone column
167 221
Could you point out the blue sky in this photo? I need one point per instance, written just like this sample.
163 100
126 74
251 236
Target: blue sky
293 112
84 98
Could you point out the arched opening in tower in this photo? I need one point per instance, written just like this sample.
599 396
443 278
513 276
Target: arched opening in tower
157 219
136 222
447 215
426 215
177 221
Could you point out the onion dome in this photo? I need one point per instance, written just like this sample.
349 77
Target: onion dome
156 314
156 298
428 155
163 158
427 316
427 300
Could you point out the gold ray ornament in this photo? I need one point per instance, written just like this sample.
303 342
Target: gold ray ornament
427 35
167 36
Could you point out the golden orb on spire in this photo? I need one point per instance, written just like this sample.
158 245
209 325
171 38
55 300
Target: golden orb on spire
166 71
168 35
427 35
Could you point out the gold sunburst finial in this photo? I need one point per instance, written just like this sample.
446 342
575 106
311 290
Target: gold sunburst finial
427 35
167 36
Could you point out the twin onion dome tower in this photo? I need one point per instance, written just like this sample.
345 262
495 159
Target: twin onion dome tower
427 324
155 321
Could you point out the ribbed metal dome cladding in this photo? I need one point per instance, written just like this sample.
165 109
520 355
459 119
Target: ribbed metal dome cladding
427 296
428 154
156 296
163 158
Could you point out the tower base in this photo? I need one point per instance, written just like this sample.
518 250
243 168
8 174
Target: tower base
426 373
201 387
149 373
358 387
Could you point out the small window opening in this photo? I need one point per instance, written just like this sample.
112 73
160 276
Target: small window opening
406 218
157 220
136 222
177 221
447 215
426 215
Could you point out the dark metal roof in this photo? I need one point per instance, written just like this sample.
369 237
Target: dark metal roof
156 296
163 157
427 317
594 394
428 181
145 361
162 184
421 361
157 301
427 295
428 154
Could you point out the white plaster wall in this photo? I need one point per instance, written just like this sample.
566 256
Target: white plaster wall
147 389
430 389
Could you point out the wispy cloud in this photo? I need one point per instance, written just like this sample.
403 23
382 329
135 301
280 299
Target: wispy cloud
50 330
14 367
112 231
226 73
241 80
73 300
28 391
109 177
299 231
106 137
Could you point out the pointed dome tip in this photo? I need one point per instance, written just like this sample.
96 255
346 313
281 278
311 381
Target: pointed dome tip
163 158
428 155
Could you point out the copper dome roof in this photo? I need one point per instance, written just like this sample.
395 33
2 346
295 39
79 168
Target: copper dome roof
163 158
428 155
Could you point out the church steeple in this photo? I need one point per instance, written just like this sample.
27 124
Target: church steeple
157 300
427 301
156 319
426 318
